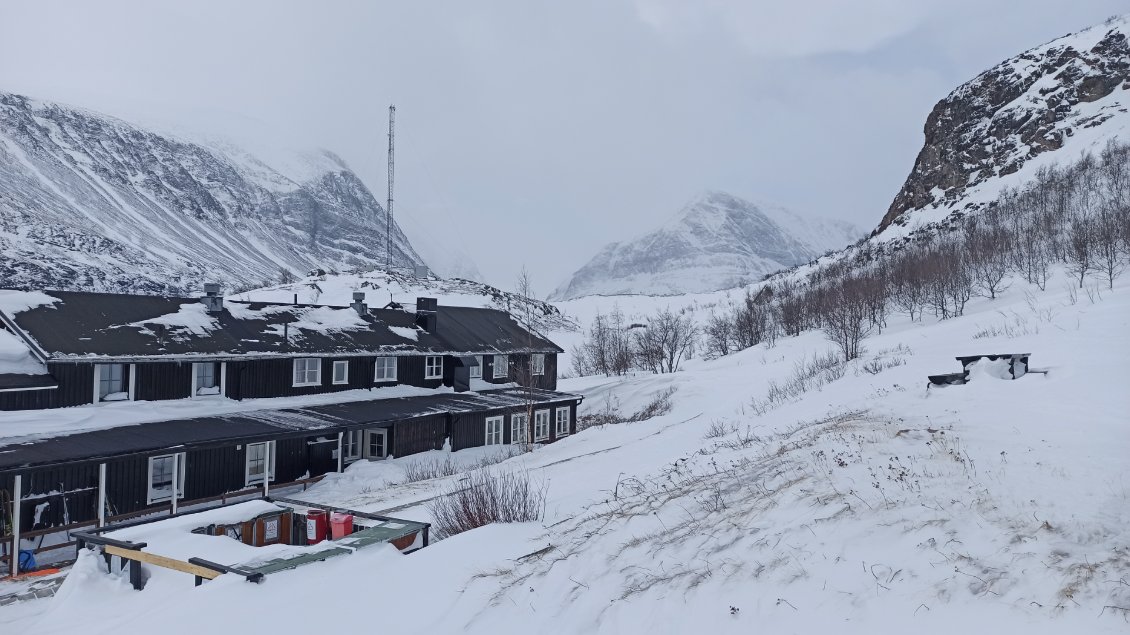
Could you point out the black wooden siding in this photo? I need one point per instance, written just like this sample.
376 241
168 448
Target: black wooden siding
29 399
71 492
162 380
76 382
418 435
468 429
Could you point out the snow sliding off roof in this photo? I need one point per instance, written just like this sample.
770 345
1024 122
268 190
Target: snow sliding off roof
68 324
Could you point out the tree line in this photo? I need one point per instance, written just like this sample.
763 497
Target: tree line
1077 217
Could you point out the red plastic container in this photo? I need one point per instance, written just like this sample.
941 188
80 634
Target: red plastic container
315 526
341 525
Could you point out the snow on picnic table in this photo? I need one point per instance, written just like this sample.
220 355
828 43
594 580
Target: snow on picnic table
872 504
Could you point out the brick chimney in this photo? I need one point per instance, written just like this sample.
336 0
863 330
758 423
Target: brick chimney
213 301
426 314
359 305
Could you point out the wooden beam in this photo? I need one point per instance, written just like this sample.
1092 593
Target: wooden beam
162 561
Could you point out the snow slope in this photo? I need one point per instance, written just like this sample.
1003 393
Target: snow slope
88 201
717 241
869 505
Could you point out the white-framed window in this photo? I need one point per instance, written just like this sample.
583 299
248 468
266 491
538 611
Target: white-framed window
112 382
519 429
494 430
307 371
477 369
433 367
386 369
541 425
161 477
501 367
563 421
205 378
256 464
537 363
341 371
376 443
351 445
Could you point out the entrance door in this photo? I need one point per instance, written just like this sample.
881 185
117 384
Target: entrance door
376 443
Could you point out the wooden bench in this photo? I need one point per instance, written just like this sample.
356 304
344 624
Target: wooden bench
130 554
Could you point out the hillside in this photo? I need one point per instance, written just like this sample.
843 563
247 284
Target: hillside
717 241
870 504
1045 106
93 202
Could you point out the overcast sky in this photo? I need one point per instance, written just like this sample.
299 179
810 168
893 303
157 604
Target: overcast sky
532 133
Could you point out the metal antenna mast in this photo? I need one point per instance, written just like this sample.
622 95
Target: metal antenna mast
391 173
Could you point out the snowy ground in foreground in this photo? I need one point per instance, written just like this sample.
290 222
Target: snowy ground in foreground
871 505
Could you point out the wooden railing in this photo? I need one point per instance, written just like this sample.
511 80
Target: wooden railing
120 521
130 554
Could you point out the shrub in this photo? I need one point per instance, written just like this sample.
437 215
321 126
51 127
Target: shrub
425 470
487 497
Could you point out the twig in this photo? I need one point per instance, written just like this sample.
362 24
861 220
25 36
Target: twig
779 600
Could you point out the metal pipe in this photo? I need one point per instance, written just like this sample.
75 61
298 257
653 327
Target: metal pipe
267 470
176 479
340 449
17 495
101 494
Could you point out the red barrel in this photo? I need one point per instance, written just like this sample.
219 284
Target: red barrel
341 525
315 526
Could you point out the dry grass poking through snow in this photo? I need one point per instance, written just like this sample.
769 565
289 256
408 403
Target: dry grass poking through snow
486 497
795 514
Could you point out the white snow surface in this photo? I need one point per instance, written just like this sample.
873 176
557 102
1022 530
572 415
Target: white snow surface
16 358
870 505
13 301
190 319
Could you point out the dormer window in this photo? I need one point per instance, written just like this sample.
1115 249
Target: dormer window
537 363
501 367
307 372
112 382
433 368
206 378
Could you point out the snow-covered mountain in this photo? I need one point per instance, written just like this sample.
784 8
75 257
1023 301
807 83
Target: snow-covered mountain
93 202
1045 106
717 241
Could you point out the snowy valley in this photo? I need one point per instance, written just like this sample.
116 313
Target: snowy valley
925 430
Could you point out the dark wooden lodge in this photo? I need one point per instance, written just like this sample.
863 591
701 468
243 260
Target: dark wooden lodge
467 377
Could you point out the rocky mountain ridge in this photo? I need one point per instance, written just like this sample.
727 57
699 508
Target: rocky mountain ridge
89 201
1046 105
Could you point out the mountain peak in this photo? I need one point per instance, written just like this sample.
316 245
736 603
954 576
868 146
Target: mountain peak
93 201
1059 99
715 241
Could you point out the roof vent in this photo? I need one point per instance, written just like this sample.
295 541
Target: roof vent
213 301
426 314
359 305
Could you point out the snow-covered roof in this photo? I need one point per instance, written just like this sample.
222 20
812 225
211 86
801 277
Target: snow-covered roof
122 440
69 325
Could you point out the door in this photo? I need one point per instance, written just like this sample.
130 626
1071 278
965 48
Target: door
376 443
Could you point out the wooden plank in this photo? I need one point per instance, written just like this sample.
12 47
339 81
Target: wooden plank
162 561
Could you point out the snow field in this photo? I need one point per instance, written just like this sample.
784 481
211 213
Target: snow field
867 504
